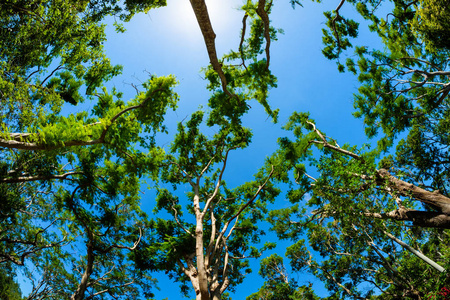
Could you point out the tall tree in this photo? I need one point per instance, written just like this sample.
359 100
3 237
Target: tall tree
69 183
209 234
71 205
362 205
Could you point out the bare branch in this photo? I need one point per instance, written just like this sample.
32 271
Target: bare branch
109 289
244 26
415 252
39 177
333 24
201 13
325 143
218 184
178 222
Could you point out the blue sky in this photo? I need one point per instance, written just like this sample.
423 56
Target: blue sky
168 41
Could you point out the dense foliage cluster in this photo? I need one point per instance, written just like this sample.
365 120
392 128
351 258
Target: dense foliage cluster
369 222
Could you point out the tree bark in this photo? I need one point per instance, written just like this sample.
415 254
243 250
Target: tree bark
410 190
202 16
415 252
79 293
201 268
419 218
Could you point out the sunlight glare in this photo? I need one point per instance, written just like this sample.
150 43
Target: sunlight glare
182 21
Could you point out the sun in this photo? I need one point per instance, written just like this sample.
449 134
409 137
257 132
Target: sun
180 18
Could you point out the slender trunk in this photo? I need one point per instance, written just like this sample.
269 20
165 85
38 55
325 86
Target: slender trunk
201 268
79 293
415 252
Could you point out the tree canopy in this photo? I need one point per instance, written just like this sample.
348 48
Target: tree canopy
369 221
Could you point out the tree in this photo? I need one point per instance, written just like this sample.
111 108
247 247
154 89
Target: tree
363 204
431 24
212 250
9 288
71 182
70 207
70 212
278 285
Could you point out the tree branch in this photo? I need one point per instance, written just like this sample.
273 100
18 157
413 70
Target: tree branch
38 177
261 11
415 252
237 214
16 138
325 143
406 189
201 13
333 24
218 184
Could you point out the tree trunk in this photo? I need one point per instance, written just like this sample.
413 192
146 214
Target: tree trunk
79 293
416 253
201 268
410 190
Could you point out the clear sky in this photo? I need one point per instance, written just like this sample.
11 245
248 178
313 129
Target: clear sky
168 41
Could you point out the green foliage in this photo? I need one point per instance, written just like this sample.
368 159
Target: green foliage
343 207
198 162
277 284
9 288
69 184
432 24
71 181
247 73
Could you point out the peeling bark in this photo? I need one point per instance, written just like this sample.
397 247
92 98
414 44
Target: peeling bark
410 190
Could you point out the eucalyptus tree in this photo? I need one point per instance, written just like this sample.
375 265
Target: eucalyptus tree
362 205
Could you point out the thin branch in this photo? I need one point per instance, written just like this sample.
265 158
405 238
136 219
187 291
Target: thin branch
39 177
325 143
218 184
179 224
184 174
333 24
241 51
225 228
109 289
